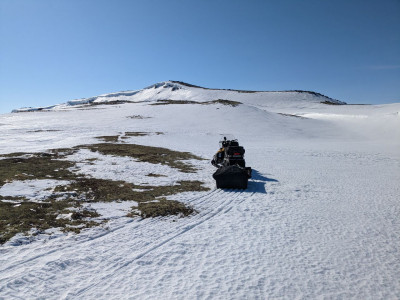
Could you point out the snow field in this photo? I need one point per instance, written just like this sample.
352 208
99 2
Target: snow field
320 218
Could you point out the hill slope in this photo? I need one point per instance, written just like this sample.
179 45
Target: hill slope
176 90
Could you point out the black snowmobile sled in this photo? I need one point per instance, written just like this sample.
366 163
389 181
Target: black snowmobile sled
232 171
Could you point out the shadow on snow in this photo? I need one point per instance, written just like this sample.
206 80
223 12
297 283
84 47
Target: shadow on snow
257 183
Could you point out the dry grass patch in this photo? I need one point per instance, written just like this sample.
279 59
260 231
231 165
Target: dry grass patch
101 190
154 155
141 133
138 117
331 103
36 166
150 198
291 115
224 102
22 217
163 208
108 138
218 101
18 215
113 102
166 102
155 175
44 130
126 135
136 133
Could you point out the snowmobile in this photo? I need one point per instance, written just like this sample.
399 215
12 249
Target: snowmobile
231 166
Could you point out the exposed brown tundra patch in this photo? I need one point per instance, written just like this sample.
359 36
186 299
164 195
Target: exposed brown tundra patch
20 215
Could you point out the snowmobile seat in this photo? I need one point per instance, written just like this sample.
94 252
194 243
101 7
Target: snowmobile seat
234 156
235 151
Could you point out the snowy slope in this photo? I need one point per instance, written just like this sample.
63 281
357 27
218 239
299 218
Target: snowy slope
174 90
320 218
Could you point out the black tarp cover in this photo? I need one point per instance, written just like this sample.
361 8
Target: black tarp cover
231 177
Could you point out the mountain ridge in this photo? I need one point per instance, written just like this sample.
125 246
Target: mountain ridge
252 91
179 90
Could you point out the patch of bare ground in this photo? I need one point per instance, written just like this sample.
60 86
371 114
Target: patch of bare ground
102 190
108 138
154 155
166 102
218 101
290 115
136 133
139 133
331 103
126 135
24 216
34 166
43 130
138 117
113 102
225 102
162 208
20 215
155 175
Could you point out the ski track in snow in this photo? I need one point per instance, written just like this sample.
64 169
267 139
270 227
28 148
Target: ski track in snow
137 224
158 238
183 229
320 219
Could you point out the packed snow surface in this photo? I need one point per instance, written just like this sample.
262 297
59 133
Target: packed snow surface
320 218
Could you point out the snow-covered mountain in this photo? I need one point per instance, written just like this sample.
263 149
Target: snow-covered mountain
320 218
177 90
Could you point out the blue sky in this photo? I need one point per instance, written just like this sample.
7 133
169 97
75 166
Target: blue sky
52 51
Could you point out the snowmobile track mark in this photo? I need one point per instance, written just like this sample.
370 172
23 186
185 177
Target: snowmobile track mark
84 241
184 228
138 223
205 203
